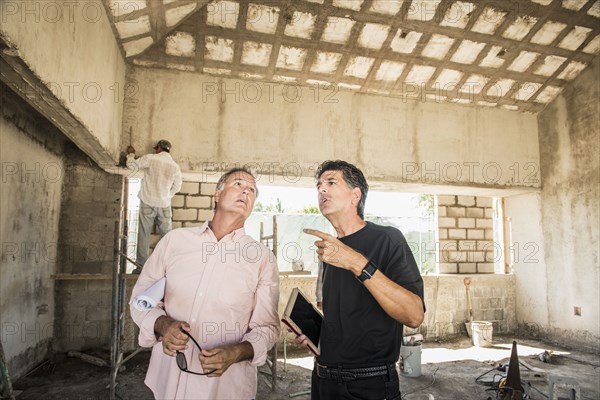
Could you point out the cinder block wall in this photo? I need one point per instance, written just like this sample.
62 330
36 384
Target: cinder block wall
466 236
194 204
90 208
492 296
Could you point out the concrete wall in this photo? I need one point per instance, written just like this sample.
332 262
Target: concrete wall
70 47
526 259
570 209
30 195
290 129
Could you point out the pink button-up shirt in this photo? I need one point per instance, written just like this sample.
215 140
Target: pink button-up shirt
227 291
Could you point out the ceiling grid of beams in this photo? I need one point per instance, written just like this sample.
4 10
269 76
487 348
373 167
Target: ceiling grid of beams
497 53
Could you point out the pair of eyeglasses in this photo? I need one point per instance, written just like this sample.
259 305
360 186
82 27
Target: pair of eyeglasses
182 362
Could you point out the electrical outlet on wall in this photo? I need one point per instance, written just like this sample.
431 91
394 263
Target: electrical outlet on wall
577 311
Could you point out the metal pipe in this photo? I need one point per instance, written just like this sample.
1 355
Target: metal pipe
130 260
114 314
129 357
304 393
115 357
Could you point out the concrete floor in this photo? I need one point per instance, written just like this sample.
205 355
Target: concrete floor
449 371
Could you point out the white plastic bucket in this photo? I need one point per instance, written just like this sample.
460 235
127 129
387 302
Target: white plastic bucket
410 360
482 332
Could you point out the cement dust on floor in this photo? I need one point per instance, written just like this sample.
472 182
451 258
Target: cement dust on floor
449 370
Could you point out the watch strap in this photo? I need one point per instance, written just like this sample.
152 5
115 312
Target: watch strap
367 272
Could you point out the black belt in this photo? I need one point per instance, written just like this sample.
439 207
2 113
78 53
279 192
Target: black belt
350 374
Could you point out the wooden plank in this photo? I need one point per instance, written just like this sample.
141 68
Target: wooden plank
66 277
76 277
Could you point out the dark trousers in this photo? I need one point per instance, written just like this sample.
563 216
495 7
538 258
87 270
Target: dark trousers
383 387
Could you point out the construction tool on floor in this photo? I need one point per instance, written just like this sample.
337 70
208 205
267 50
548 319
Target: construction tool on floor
512 388
410 356
546 356
467 282
88 358
563 387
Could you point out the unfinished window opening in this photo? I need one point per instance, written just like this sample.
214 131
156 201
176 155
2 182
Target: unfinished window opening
296 208
133 209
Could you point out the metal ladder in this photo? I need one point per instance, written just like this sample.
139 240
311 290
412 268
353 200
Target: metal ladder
119 288
272 354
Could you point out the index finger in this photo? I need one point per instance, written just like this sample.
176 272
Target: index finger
317 233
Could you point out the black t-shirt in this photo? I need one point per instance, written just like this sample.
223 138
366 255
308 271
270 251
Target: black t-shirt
356 331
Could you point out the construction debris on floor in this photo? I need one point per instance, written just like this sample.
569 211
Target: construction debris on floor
453 370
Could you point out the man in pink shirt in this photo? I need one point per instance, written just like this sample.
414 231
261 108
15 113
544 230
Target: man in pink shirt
222 290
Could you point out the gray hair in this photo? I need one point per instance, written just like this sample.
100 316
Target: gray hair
230 172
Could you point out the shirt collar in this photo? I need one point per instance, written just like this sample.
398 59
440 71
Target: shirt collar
234 236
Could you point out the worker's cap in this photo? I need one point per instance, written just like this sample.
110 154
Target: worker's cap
163 144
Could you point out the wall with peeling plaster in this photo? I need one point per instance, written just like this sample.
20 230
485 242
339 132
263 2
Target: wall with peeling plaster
570 209
30 194
555 233
71 48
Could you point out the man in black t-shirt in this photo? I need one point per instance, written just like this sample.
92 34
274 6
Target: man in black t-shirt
371 289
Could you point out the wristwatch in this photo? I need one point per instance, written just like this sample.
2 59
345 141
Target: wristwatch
367 272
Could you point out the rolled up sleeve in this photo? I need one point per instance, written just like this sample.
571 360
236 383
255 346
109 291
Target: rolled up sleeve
264 324
147 337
